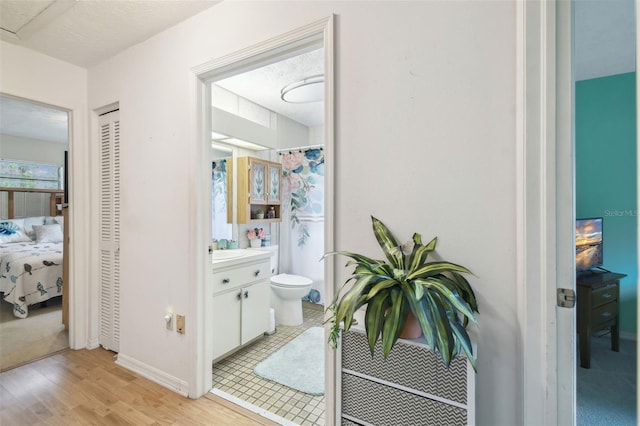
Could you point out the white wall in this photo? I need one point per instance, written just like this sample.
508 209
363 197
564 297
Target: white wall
34 76
27 149
425 142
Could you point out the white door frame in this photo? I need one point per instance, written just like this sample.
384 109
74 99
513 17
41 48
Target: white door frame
545 211
201 380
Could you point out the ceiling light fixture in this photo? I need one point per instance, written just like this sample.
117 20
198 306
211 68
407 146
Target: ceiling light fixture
310 89
219 137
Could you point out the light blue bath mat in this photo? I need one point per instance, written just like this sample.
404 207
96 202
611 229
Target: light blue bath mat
299 364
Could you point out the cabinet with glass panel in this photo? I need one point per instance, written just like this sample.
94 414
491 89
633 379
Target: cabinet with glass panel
259 190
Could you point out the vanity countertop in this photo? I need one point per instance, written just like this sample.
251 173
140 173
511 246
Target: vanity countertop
232 257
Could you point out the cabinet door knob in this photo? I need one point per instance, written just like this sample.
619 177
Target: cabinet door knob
606 314
239 296
246 294
606 296
257 272
226 281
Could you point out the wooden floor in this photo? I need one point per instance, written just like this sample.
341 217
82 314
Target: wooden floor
87 388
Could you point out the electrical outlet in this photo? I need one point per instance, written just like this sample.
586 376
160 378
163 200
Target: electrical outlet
180 324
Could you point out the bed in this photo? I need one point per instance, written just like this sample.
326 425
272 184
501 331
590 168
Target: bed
31 261
30 273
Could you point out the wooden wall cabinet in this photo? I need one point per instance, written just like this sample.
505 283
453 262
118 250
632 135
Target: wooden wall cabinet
259 188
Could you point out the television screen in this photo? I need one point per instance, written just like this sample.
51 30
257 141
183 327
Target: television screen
588 243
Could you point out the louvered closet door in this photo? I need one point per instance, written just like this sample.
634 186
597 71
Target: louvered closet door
110 231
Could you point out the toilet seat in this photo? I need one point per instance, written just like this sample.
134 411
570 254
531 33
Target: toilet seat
290 280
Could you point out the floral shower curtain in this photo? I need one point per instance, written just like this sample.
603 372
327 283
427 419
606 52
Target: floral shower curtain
302 239
219 226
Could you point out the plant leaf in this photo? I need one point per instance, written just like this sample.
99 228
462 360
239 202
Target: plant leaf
434 284
355 256
444 338
394 321
418 290
374 318
420 252
376 266
423 317
350 299
381 285
348 319
465 290
465 293
465 342
433 268
388 243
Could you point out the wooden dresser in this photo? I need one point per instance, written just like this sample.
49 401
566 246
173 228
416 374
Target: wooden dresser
598 309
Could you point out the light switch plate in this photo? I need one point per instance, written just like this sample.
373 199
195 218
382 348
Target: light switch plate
180 324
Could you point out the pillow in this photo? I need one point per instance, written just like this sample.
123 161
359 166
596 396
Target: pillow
28 225
60 220
48 233
12 231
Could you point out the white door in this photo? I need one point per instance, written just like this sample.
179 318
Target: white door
109 256
546 211
565 333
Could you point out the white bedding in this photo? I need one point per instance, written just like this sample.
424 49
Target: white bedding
30 273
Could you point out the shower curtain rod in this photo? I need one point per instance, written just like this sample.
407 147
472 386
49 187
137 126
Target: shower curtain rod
299 148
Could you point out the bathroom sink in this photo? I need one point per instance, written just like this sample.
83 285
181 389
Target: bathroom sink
227 254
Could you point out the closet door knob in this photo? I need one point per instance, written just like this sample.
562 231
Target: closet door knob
226 281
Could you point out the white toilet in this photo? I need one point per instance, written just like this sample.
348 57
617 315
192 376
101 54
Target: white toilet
287 291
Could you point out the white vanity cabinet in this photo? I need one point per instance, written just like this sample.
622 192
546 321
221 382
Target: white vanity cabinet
240 301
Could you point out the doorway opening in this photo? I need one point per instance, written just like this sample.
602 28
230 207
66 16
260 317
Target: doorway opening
34 255
605 158
248 141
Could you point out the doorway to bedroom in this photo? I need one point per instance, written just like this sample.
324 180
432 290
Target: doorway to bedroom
34 142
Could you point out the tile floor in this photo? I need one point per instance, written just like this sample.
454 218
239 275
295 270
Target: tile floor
234 375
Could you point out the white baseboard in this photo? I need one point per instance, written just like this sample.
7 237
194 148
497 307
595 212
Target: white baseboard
628 336
160 377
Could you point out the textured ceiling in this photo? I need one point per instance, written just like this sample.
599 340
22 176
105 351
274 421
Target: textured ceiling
263 86
16 14
87 32
32 121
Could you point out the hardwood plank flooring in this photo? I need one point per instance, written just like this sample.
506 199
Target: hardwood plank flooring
87 388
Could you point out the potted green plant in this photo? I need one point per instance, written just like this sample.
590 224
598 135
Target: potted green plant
435 293
259 214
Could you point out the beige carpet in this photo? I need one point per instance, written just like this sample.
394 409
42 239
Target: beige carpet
31 338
